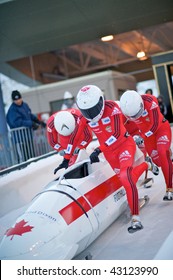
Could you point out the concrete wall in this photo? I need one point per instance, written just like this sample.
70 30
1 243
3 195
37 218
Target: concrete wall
110 82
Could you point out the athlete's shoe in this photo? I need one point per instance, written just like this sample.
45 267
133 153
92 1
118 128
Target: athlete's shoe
168 195
153 167
135 225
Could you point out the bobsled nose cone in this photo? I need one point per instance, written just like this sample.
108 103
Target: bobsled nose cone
34 238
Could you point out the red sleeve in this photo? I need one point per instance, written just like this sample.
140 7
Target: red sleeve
87 138
155 117
81 127
52 135
117 126
151 105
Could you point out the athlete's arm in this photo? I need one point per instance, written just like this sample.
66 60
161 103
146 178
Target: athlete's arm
52 136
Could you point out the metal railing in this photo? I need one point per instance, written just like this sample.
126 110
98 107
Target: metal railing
21 144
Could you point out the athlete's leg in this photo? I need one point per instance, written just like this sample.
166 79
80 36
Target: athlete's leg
163 138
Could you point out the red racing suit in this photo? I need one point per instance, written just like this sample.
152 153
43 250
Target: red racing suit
59 142
118 147
156 131
133 130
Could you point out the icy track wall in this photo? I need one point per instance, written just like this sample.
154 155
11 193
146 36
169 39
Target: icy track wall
19 187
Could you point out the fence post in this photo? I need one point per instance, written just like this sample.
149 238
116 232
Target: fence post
5 148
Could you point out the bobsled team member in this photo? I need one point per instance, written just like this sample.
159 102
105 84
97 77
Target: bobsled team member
60 127
144 111
105 120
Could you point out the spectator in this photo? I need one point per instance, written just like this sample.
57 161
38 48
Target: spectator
149 91
162 105
68 101
21 122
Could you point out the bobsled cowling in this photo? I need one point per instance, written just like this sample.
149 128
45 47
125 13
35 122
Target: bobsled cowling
68 214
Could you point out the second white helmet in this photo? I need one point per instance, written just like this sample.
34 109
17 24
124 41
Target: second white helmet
64 123
90 101
67 95
131 104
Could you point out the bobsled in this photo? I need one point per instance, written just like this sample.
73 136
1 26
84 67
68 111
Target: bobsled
68 214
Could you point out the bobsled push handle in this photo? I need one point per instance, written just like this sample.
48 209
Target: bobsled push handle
75 166
72 167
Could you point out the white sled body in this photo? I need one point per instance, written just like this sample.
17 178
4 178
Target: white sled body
68 215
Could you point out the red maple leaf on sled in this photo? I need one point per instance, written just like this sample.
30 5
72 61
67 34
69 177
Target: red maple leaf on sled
19 229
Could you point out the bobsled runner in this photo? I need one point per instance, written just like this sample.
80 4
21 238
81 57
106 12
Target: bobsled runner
68 214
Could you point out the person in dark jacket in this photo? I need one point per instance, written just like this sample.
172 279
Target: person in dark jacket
149 91
22 123
162 105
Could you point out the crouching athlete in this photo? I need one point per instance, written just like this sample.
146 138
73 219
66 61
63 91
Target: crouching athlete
60 127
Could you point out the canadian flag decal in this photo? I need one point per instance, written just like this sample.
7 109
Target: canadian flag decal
19 229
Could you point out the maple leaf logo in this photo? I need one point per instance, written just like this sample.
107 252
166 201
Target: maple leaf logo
19 229
85 89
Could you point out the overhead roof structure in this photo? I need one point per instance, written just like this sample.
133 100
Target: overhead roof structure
55 40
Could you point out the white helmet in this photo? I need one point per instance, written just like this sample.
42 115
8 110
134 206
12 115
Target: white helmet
90 101
64 123
131 104
67 95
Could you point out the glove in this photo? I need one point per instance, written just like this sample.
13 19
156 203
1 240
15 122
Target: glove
35 125
64 164
94 157
138 139
43 124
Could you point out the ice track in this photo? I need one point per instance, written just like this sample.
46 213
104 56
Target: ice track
153 242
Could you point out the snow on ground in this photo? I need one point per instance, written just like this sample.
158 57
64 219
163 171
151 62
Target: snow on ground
153 242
